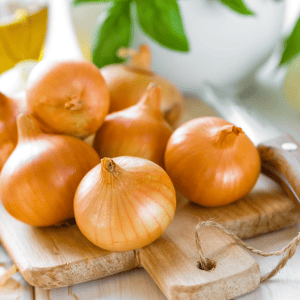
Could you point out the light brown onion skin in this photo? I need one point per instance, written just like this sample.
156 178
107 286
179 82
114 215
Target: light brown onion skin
127 209
52 84
39 180
10 107
127 84
139 131
209 173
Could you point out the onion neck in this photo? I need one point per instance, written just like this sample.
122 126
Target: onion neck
109 167
140 59
28 127
151 99
226 137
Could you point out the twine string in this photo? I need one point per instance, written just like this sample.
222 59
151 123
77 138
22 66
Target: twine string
206 264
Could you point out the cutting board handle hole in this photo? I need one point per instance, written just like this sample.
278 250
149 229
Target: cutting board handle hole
206 263
209 265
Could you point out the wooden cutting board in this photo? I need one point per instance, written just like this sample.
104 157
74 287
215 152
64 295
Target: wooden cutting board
60 256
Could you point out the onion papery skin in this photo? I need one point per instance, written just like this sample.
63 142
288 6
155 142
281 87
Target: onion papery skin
8 127
210 168
39 180
139 130
68 97
10 108
127 83
127 208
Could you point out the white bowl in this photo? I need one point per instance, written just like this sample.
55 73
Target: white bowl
226 48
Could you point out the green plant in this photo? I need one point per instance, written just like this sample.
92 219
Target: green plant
291 45
161 20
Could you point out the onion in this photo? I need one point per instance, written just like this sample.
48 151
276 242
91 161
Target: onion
67 97
128 82
9 110
212 162
39 180
124 203
139 130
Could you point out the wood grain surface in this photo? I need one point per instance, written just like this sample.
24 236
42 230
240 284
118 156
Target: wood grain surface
58 256
172 262
135 284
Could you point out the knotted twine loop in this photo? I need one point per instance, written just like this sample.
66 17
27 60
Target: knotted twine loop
206 264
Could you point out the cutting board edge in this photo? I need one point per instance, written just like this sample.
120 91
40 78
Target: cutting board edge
37 277
184 292
287 219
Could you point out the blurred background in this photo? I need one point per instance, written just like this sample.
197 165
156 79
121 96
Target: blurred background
228 49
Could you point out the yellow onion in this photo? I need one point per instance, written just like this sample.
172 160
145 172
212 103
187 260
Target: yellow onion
10 107
128 82
8 128
139 130
211 161
39 180
67 97
124 203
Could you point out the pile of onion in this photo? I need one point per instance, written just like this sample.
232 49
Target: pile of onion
67 97
139 130
124 203
211 161
39 179
128 82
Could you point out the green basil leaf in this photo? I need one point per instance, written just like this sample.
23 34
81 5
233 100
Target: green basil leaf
292 45
238 6
112 34
161 20
77 2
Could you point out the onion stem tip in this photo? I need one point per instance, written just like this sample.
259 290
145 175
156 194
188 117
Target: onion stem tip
108 164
